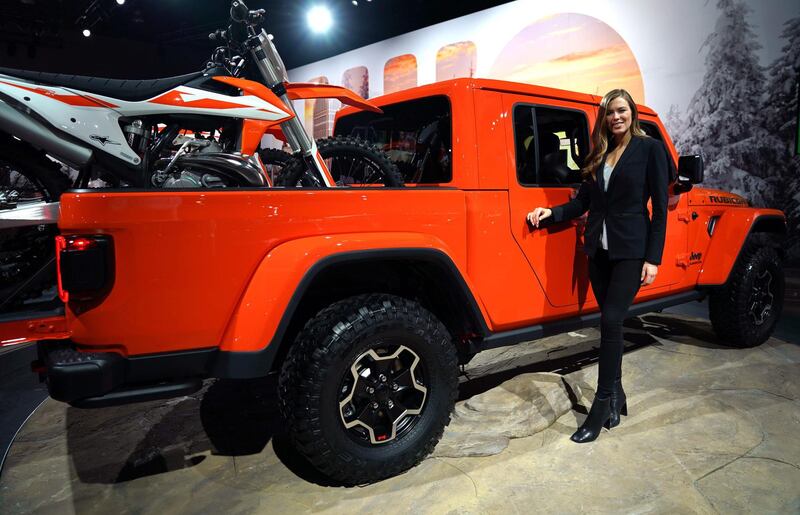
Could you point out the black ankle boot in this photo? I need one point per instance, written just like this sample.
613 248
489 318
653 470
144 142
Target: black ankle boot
619 405
598 417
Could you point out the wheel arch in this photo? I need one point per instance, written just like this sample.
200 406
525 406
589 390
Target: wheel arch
426 275
766 227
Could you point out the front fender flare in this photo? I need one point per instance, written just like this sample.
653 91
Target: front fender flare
730 235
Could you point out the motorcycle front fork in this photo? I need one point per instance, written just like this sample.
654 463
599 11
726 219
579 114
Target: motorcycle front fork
273 72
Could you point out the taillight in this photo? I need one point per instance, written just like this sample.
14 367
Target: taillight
85 266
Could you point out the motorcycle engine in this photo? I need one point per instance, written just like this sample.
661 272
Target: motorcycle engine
208 170
188 179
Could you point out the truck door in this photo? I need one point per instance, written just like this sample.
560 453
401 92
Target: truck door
549 143
676 259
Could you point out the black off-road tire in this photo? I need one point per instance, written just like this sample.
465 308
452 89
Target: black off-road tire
371 165
321 358
276 161
731 307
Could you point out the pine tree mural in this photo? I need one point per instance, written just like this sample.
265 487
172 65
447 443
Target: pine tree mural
780 110
724 121
674 123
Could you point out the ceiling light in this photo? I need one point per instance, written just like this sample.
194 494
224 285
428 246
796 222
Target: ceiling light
120 2
87 33
319 19
355 2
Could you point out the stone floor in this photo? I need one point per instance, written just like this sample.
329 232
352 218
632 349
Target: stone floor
711 430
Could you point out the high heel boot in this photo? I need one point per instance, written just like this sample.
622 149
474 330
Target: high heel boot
598 417
619 404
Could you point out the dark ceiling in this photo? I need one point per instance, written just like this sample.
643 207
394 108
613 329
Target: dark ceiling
150 38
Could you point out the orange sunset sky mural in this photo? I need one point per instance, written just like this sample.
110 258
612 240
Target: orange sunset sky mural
570 51
400 73
456 60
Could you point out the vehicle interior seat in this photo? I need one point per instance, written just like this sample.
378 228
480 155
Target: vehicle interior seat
553 167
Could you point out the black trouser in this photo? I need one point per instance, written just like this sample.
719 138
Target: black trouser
615 283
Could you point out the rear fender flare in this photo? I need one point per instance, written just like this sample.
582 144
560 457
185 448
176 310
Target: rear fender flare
279 283
733 231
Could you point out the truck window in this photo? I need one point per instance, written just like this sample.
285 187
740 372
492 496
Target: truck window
652 130
415 134
550 144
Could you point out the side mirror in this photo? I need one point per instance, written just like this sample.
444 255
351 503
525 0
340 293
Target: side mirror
691 167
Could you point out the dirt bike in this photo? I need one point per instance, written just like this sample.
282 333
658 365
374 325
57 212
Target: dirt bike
123 132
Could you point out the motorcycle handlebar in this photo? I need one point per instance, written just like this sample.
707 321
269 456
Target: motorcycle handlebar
239 11
241 14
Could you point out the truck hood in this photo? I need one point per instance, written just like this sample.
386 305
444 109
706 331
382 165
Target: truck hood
712 197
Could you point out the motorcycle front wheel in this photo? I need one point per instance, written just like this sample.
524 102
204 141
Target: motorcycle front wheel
351 162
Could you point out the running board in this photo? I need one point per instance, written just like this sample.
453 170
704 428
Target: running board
534 332
141 393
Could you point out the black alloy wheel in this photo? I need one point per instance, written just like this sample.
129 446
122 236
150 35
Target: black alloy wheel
745 310
368 387
383 394
762 298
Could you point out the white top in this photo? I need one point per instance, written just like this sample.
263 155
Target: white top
607 168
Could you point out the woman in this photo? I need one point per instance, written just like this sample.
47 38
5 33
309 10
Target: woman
623 171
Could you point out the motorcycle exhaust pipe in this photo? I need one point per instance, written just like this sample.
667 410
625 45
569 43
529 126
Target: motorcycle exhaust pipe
28 129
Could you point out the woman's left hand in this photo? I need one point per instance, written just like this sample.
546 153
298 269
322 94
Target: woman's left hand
649 273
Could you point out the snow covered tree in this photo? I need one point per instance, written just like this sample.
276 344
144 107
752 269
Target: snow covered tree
781 113
725 122
674 123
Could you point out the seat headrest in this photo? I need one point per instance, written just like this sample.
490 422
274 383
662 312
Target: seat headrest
548 143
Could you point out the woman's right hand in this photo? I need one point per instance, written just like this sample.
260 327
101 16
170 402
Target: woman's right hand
538 214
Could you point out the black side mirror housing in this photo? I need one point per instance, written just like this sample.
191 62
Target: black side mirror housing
691 167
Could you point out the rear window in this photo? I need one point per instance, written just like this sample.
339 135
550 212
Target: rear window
417 136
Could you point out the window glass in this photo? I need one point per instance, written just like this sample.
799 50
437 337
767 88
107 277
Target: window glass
651 130
415 134
550 145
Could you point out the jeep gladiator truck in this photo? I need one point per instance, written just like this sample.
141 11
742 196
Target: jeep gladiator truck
365 300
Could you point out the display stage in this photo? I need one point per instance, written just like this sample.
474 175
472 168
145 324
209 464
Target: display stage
710 430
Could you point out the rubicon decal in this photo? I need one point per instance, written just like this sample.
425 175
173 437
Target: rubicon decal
718 199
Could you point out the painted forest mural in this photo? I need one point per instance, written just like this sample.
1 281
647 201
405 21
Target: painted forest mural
743 118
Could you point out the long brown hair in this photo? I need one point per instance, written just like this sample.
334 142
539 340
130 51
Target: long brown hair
600 135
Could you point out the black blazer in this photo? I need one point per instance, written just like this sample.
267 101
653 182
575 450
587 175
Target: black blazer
641 174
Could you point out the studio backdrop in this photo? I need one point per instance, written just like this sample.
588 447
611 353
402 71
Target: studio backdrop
722 75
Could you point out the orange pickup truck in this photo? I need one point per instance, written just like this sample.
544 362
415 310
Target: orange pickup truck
366 299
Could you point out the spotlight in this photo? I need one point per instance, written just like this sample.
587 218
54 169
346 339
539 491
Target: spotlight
120 2
319 19
355 2
87 33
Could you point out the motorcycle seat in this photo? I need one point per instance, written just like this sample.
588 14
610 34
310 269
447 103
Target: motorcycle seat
131 90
